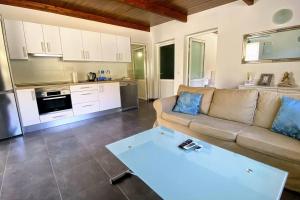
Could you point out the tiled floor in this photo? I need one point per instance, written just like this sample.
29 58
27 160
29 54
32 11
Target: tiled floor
71 162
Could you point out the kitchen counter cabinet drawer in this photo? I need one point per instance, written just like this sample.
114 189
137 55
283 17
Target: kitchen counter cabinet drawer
84 96
85 108
83 87
56 116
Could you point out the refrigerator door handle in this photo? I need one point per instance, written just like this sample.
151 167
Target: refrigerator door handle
33 96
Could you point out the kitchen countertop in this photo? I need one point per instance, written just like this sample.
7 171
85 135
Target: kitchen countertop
53 84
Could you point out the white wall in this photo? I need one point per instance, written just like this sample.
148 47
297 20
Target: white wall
233 21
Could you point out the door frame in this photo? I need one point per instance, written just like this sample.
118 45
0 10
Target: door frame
187 51
144 47
190 55
157 59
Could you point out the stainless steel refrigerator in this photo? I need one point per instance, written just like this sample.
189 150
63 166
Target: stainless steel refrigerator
9 118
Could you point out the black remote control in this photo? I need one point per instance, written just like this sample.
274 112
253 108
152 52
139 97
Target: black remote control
182 145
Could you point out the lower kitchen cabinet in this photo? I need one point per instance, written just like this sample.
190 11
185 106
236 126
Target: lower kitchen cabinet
109 96
28 107
56 116
86 108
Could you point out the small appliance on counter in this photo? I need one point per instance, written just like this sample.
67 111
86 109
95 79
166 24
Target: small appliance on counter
91 76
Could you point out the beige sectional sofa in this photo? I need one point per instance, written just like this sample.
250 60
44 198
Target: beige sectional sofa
240 121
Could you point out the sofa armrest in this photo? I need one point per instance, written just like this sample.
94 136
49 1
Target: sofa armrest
164 105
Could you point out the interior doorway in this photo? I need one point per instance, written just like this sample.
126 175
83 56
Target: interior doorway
201 57
166 64
139 65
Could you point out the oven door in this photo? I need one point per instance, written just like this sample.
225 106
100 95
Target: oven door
54 103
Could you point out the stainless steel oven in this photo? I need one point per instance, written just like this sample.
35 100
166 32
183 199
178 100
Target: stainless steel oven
52 99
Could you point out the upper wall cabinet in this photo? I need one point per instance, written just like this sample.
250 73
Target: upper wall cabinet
52 39
124 49
71 43
109 47
15 39
115 48
42 39
91 45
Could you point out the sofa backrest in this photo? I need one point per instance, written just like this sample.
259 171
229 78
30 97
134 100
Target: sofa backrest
233 104
267 107
206 92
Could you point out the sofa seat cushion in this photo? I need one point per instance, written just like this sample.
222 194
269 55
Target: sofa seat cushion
179 118
218 128
270 143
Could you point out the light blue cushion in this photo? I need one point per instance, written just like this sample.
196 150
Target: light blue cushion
188 103
287 121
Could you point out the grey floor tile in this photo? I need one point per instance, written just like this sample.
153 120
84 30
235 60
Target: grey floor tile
109 163
80 178
45 189
135 189
102 191
67 153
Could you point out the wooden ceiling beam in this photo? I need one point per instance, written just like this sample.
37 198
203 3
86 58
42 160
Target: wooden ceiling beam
76 13
249 2
158 8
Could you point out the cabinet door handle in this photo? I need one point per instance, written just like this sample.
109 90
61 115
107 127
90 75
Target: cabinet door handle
48 46
82 54
84 87
24 51
86 94
121 56
33 95
88 54
59 116
87 106
101 89
43 46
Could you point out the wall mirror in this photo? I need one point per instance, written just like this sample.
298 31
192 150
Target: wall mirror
280 45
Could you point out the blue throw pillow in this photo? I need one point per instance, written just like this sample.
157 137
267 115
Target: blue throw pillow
188 103
287 121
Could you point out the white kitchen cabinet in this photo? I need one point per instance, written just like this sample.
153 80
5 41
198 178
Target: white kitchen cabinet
92 45
84 87
15 39
28 107
52 39
84 96
86 108
109 96
109 47
34 37
60 115
123 49
42 39
71 43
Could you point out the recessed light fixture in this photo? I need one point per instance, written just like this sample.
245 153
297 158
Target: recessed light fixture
282 16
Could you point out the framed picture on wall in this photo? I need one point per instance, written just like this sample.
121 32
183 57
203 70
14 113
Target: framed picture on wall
265 79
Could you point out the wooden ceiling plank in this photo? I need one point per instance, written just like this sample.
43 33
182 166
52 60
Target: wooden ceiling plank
158 8
76 13
249 2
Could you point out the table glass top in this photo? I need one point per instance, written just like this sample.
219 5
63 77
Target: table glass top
212 173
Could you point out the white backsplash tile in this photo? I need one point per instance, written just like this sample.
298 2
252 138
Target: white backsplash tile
43 69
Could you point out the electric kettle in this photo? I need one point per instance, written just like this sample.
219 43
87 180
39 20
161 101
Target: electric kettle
91 76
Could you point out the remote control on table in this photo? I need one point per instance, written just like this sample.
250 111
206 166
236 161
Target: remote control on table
182 145
190 146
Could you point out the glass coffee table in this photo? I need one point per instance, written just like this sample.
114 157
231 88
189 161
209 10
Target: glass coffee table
210 173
